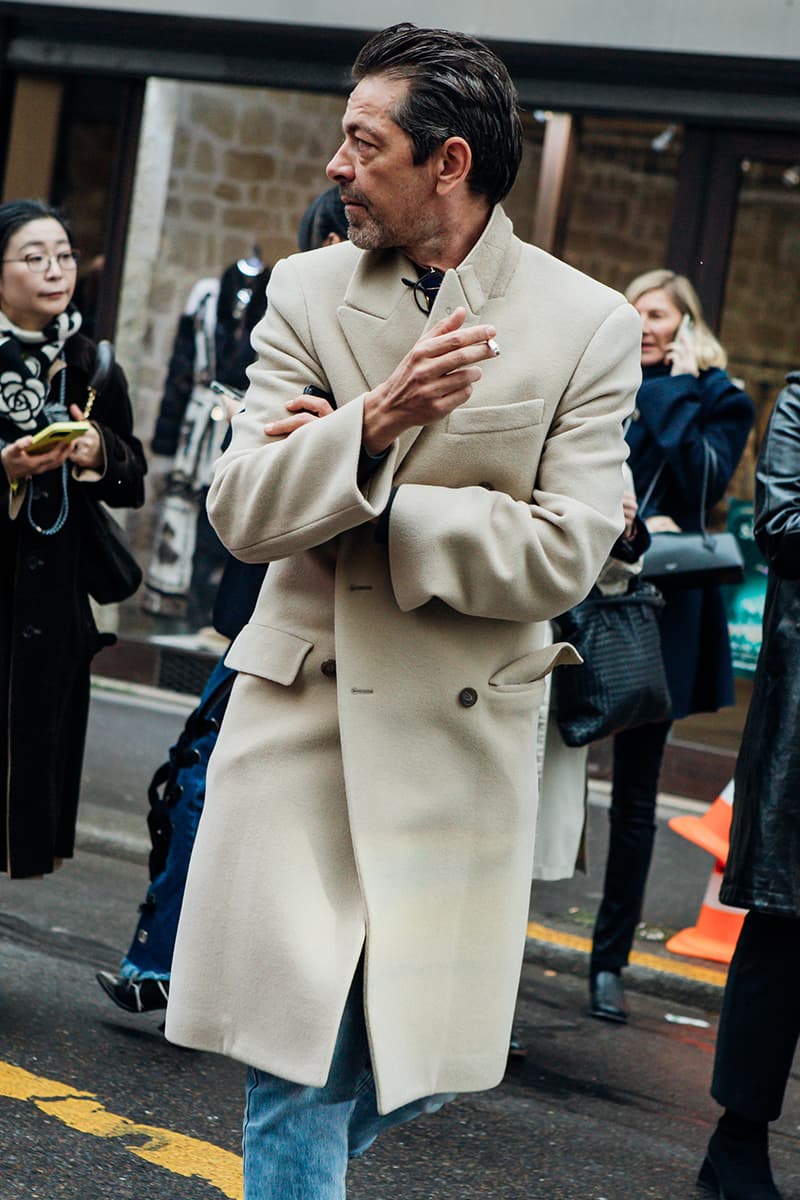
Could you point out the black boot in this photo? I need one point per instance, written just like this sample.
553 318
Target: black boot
134 995
736 1166
607 997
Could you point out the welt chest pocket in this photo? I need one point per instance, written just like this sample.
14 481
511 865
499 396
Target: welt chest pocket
496 418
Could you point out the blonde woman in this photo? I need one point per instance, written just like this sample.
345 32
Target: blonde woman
686 406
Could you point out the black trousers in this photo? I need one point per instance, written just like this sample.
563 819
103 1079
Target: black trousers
632 826
760 1019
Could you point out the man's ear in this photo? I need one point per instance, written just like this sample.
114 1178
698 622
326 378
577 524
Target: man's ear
454 164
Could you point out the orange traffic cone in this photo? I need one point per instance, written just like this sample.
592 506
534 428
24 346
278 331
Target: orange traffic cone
717 930
711 831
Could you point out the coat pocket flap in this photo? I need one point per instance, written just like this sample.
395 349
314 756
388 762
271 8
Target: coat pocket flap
536 665
496 418
269 653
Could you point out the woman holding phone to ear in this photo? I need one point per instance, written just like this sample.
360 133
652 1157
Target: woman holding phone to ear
686 406
47 633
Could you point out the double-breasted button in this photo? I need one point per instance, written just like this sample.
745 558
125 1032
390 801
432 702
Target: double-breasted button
467 697
329 668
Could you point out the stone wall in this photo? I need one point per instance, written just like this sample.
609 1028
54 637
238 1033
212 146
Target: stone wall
245 164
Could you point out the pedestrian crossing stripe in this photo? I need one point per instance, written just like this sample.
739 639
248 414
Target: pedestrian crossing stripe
175 1152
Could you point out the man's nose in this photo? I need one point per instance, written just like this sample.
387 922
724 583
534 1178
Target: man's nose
339 167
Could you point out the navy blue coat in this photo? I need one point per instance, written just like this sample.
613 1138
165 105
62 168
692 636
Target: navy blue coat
676 417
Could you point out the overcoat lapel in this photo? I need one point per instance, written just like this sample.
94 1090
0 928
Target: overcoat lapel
380 318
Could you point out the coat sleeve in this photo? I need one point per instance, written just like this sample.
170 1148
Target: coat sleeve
488 555
777 505
122 483
685 415
274 497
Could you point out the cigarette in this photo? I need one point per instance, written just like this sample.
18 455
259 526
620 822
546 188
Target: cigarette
493 346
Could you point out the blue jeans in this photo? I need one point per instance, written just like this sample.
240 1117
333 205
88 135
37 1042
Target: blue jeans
150 953
297 1140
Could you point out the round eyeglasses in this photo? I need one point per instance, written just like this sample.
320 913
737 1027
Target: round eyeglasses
67 260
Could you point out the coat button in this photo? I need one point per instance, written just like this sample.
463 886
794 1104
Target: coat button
329 668
468 697
33 562
31 631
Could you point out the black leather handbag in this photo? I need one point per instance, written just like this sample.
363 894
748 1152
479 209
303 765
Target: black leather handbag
621 682
109 571
687 560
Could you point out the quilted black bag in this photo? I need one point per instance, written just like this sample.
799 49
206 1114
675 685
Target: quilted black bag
622 682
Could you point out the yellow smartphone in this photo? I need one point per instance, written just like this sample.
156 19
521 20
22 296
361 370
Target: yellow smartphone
55 434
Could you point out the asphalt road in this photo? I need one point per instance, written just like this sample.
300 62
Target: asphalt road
95 1105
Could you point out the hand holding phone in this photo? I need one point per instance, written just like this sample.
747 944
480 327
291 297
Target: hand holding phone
682 354
56 434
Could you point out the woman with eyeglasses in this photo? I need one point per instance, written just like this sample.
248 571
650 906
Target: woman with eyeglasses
47 633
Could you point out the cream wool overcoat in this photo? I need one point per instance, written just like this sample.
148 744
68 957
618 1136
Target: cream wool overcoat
391 807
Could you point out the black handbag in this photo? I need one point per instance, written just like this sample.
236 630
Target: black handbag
621 682
109 571
687 560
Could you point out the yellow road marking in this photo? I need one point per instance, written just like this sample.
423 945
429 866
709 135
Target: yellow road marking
187 1156
573 942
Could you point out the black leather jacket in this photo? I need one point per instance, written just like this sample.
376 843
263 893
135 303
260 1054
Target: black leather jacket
763 870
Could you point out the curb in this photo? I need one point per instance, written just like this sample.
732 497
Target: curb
96 839
700 986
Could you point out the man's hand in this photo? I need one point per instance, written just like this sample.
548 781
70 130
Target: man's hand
304 408
435 377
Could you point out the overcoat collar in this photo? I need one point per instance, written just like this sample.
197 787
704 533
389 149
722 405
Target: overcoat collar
380 318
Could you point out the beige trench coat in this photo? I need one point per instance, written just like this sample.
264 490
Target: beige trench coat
396 802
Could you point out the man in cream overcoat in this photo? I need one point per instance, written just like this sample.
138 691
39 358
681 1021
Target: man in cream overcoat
356 907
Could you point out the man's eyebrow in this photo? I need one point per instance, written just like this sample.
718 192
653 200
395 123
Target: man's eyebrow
357 125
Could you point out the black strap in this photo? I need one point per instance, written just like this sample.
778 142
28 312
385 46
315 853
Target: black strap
709 454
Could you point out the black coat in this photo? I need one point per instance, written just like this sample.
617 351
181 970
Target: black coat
763 869
47 633
677 417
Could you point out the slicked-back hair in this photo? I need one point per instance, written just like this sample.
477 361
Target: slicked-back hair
457 88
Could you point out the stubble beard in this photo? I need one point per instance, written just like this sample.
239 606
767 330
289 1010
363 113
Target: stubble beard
373 233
